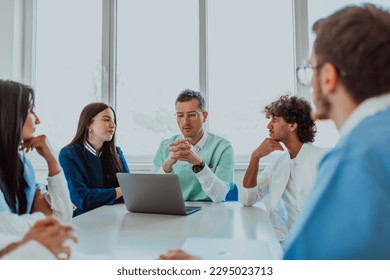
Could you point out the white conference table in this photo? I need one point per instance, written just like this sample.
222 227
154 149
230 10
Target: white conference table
111 232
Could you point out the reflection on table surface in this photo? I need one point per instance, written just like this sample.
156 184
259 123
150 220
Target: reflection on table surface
111 232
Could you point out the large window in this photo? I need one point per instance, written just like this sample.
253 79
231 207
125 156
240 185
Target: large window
240 54
158 56
68 64
251 63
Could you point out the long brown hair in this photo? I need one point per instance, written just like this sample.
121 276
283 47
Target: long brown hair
15 101
110 159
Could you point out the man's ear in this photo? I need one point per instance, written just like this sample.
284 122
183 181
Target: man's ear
205 115
329 78
293 127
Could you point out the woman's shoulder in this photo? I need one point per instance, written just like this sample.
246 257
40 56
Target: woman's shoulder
119 150
26 163
70 149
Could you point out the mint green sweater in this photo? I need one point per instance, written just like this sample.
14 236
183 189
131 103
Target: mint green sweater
217 154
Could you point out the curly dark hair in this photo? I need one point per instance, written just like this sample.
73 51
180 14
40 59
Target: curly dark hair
294 110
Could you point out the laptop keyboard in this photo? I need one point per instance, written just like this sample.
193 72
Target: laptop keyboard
191 209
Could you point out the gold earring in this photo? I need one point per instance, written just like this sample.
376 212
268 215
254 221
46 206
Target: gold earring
90 130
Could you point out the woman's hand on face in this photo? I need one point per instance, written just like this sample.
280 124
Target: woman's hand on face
41 145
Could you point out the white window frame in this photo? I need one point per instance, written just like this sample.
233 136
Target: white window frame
144 163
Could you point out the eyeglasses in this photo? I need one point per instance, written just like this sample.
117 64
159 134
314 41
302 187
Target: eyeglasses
190 115
305 73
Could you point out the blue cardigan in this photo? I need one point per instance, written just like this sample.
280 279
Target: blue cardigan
84 174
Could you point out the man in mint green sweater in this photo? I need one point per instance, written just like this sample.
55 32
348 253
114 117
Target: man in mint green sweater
203 161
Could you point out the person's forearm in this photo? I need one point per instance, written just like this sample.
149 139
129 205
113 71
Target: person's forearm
250 178
118 192
53 167
9 248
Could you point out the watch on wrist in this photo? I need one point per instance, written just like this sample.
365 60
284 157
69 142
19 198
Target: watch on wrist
198 168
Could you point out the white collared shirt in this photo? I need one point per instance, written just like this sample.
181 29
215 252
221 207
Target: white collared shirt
199 146
285 183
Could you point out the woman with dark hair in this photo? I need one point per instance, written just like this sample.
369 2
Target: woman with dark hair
19 192
91 160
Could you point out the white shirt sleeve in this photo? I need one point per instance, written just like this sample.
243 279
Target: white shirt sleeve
11 223
59 198
32 250
249 196
214 187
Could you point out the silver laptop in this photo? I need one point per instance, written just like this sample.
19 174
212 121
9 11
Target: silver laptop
153 193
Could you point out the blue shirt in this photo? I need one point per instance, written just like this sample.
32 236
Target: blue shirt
30 190
349 210
84 173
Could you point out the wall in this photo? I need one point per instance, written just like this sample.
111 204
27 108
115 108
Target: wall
7 38
11 39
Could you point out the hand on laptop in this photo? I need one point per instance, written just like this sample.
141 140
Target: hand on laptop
177 254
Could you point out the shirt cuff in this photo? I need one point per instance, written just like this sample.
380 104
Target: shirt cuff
248 196
58 197
15 224
57 180
214 187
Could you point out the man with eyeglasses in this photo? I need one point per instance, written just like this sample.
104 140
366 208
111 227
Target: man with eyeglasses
285 183
347 216
203 161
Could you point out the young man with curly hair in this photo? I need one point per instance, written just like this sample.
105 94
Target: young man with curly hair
289 178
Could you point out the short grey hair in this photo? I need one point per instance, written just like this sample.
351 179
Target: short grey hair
189 94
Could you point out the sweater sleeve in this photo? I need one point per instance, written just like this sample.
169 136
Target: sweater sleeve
32 250
15 224
217 185
159 158
59 198
122 158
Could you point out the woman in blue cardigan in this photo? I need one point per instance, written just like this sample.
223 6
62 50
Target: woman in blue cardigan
22 201
91 160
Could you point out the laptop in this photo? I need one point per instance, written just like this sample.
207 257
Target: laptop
227 249
153 193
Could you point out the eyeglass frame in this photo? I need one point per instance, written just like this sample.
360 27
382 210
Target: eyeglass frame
308 66
196 113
